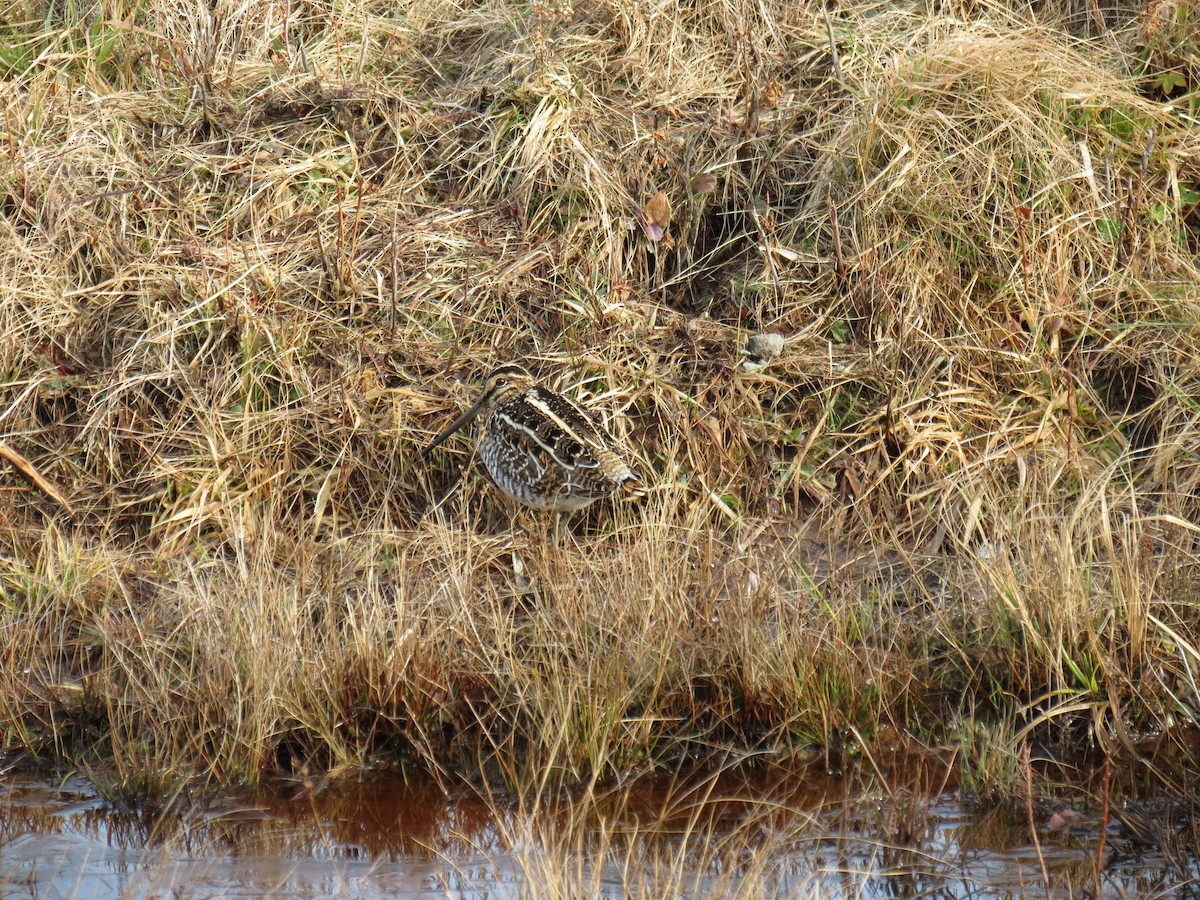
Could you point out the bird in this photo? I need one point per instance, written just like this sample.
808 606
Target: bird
541 448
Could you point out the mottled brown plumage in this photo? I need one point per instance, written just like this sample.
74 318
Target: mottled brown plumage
542 448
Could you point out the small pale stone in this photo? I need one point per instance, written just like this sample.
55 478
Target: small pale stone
764 347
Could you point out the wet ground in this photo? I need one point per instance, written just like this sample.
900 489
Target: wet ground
791 833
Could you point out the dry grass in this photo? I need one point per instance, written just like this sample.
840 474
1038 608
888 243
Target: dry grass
254 256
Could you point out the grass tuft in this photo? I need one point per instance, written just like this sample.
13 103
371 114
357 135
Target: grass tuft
252 260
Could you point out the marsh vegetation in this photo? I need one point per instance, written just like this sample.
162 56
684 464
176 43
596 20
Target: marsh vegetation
254 256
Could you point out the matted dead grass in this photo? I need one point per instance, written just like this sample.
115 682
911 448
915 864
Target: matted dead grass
253 257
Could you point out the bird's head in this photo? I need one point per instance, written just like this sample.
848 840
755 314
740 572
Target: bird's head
501 383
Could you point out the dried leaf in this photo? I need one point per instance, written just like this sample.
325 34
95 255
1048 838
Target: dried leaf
1063 818
657 215
772 93
704 183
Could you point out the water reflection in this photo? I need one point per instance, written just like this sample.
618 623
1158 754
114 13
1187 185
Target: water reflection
753 830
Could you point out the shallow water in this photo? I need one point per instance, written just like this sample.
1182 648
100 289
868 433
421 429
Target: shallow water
799 832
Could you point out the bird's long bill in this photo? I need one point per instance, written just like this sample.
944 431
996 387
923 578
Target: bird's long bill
454 426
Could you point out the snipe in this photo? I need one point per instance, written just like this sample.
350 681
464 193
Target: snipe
541 448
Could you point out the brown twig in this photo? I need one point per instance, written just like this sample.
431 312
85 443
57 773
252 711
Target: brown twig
1103 826
833 50
840 260
1037 845
34 477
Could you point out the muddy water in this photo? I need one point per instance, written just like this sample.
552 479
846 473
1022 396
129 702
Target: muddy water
800 832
